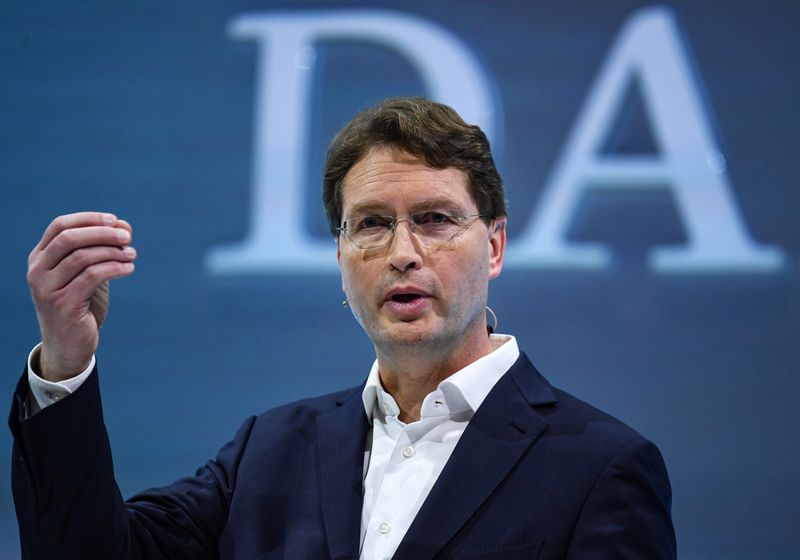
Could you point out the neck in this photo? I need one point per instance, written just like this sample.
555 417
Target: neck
409 373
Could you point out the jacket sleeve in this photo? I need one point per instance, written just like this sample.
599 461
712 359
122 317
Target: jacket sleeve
627 513
69 505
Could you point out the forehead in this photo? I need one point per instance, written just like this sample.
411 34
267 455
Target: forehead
392 179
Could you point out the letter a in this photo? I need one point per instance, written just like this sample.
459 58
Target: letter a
689 164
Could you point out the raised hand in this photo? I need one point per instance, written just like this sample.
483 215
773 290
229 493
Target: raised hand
68 274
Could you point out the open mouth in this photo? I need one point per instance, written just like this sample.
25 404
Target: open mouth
407 303
405 298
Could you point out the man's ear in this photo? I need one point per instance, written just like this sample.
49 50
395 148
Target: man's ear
497 246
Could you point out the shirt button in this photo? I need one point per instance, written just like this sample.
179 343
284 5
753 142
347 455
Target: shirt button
384 528
408 452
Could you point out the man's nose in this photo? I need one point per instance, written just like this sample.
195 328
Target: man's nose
405 250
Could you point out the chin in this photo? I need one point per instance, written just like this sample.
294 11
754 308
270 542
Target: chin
409 334
397 333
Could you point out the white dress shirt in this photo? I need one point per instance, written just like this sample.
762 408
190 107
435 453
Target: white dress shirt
402 461
44 393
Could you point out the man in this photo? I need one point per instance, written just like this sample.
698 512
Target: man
455 446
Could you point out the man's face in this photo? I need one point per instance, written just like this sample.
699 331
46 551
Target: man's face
404 293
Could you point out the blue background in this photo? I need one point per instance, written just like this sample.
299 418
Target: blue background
146 110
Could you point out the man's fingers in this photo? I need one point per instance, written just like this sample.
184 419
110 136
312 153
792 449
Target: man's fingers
74 239
125 225
77 220
73 264
83 286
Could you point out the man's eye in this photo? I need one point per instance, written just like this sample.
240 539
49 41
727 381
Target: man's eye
372 222
432 218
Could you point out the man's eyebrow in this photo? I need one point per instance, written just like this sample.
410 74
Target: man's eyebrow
370 207
374 207
438 203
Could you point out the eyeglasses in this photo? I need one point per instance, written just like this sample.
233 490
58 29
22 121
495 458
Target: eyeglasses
432 228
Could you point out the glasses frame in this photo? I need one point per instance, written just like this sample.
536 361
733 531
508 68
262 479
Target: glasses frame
463 221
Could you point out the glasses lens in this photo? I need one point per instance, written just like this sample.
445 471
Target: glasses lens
368 232
434 228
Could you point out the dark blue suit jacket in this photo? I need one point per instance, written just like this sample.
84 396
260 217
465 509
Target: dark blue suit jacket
537 474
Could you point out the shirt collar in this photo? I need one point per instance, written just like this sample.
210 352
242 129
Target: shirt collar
463 391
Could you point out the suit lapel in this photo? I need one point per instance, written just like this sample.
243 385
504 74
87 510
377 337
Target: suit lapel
500 432
341 437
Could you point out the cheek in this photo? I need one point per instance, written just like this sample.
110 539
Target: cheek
350 290
471 275
352 293
354 282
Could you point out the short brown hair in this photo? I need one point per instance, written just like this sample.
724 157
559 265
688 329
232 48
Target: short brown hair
433 132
